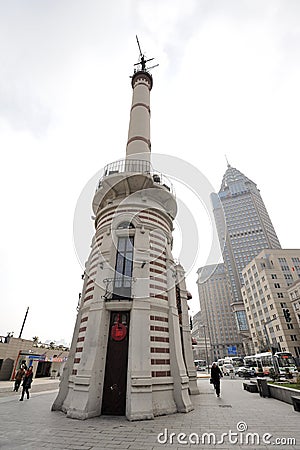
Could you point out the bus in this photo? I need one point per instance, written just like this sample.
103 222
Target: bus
237 361
286 362
200 364
282 362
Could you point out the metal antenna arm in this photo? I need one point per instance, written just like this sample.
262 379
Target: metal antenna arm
142 60
138 43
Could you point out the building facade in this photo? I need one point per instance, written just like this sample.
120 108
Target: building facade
215 311
201 342
244 229
271 316
131 352
46 360
294 294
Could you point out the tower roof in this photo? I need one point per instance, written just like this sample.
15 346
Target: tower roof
235 182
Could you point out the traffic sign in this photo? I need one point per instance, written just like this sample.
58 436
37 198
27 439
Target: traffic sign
232 350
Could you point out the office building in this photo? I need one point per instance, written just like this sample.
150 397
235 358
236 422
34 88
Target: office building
201 342
244 229
271 317
216 313
294 294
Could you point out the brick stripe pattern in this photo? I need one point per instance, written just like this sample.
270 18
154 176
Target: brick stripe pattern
158 279
160 348
92 269
80 343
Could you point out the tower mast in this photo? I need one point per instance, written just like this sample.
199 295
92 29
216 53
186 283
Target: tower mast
139 125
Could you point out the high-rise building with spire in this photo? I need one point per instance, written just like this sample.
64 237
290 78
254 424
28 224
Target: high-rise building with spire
244 229
131 352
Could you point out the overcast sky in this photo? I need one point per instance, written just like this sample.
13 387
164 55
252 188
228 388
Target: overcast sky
227 83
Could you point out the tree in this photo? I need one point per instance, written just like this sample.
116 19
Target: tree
35 340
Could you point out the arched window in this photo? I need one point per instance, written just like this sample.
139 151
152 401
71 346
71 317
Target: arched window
125 225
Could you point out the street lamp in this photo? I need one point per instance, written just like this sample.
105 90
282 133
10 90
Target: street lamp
205 343
265 323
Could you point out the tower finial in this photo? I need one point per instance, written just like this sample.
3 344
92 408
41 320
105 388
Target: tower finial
228 165
142 60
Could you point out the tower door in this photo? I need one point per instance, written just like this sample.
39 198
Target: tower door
115 379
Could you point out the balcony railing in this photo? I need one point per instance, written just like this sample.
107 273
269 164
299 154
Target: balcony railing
134 166
118 288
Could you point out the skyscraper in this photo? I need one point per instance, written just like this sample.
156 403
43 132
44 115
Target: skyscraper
244 229
131 352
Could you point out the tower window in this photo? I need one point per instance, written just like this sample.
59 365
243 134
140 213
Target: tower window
123 270
125 225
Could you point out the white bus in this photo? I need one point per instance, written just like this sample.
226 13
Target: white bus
237 361
286 362
281 362
200 364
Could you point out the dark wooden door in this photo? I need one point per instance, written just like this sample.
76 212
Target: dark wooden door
115 379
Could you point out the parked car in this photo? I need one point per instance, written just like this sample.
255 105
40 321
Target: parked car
246 372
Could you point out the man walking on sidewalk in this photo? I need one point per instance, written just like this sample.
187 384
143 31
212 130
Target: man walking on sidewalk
19 375
216 375
27 383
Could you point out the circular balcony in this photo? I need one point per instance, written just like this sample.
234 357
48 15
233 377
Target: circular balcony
129 176
135 166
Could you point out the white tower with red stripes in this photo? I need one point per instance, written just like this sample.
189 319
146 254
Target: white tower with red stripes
131 352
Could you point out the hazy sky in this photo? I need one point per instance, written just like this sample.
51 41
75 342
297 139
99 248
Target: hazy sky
227 83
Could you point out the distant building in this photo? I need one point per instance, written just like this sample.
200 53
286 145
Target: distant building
46 361
271 316
244 229
215 311
201 342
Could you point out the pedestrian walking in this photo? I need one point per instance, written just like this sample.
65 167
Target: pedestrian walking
27 383
216 375
19 376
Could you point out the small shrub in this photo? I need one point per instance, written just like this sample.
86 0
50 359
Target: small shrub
288 374
275 376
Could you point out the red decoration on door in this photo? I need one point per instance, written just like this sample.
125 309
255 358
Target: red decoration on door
118 330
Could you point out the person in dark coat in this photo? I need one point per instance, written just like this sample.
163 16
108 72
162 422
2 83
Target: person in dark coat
216 375
27 383
19 375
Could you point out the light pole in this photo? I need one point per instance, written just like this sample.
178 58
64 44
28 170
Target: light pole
275 363
23 322
266 331
205 343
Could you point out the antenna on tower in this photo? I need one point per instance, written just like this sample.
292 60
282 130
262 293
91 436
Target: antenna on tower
228 165
142 60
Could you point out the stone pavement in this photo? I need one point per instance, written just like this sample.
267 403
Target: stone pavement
30 425
38 385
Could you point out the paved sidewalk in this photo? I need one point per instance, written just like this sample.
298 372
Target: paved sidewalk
38 385
30 425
